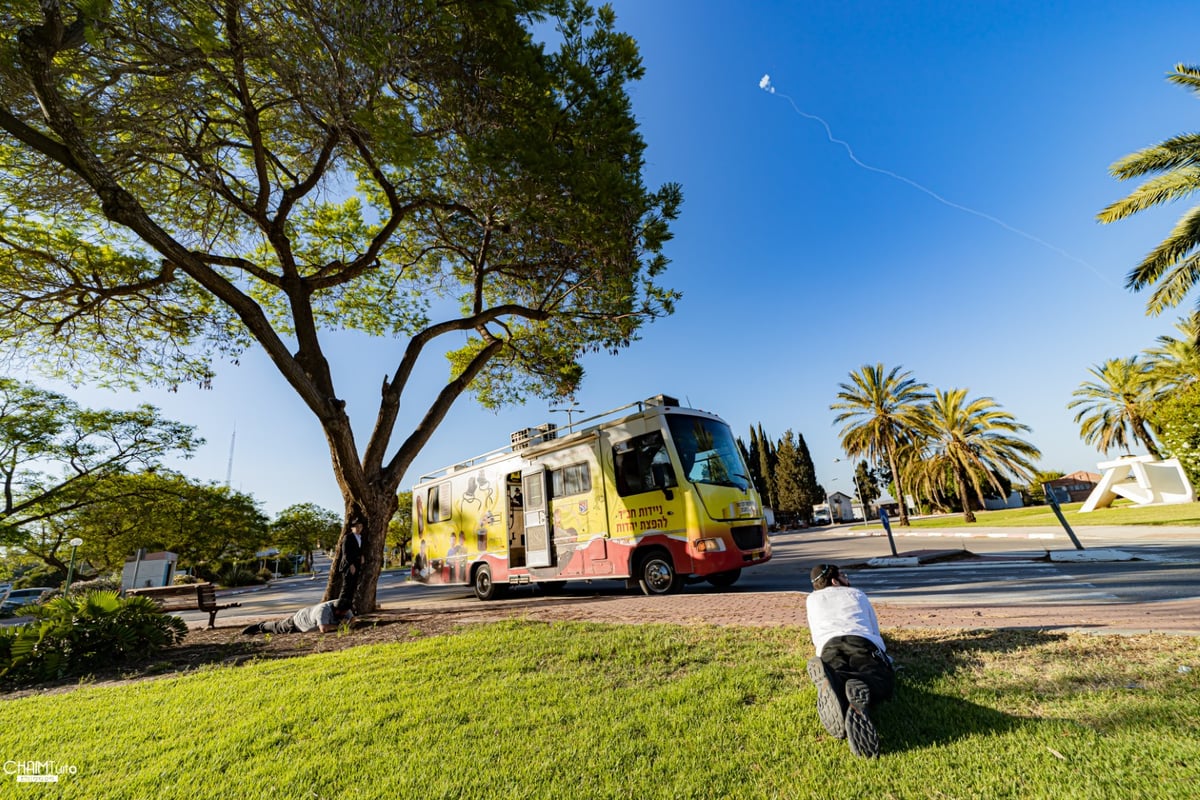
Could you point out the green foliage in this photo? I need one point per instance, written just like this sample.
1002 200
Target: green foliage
183 183
56 458
240 575
1177 419
165 510
970 445
1115 408
866 484
303 527
74 635
880 413
1171 165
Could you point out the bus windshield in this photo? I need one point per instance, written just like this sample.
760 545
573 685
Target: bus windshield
708 451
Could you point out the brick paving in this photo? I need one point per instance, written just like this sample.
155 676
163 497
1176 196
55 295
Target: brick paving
786 608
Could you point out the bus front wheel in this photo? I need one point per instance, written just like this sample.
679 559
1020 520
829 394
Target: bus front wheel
485 588
656 575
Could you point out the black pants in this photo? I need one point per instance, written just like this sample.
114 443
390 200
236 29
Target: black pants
349 585
285 625
855 657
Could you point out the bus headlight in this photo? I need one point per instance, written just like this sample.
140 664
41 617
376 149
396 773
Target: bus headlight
710 546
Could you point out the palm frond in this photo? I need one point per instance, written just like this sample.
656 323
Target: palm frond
1175 285
1186 76
1156 191
1184 238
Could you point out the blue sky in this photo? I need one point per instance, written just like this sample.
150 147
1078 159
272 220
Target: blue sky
799 265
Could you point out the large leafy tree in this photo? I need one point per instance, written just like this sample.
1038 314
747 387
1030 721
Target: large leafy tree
1115 409
183 179
303 527
56 456
1172 267
969 445
1177 420
161 510
880 412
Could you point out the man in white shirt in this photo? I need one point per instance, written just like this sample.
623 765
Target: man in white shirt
852 670
324 617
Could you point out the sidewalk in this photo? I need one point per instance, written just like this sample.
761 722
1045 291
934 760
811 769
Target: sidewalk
786 608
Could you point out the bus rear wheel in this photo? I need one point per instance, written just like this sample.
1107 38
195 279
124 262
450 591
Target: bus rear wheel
723 580
656 575
485 588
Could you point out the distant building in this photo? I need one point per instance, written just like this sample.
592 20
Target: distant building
839 508
1073 488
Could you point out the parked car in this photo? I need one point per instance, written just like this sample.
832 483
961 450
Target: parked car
23 597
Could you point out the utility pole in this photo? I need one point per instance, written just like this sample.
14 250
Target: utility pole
229 468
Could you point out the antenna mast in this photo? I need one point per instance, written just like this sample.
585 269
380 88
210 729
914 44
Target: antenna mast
229 468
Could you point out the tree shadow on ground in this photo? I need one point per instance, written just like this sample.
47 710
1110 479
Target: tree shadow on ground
916 717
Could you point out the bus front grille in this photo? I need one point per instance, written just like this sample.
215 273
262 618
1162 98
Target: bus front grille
748 537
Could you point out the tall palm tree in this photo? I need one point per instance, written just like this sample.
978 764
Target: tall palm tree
1114 410
1175 363
1175 264
969 443
880 413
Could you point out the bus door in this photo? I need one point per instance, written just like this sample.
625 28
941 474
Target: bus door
538 547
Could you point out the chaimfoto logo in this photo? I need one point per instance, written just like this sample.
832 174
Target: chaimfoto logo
38 771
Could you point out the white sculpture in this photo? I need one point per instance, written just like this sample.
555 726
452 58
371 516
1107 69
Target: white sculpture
1142 479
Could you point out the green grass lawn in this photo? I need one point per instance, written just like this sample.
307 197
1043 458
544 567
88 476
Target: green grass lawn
572 710
1120 514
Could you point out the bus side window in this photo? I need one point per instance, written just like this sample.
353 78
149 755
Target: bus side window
438 507
641 464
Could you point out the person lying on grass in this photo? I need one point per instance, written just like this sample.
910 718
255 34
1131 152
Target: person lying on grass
324 617
852 670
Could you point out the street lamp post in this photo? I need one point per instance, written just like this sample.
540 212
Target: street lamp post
862 496
570 410
829 502
71 569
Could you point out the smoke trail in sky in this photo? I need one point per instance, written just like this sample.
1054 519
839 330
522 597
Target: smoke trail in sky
765 84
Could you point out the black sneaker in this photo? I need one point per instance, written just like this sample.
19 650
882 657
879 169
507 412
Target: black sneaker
250 630
829 706
860 731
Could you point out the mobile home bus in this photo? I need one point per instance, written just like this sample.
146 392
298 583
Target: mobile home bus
652 493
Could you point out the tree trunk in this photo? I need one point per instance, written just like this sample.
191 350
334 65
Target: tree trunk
899 487
376 511
960 479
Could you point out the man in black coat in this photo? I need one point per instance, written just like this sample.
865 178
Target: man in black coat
350 563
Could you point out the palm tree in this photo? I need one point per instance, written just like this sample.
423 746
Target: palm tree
1175 363
968 443
1175 264
881 413
1114 410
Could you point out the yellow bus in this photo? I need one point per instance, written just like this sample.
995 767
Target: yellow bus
651 493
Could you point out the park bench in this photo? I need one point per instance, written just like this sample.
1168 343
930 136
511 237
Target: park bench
186 597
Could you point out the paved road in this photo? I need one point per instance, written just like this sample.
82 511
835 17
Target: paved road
1004 573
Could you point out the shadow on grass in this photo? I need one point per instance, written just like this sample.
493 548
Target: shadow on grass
917 719
927 655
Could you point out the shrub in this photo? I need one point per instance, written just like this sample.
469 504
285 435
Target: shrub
76 635
237 576
183 579
92 584
41 575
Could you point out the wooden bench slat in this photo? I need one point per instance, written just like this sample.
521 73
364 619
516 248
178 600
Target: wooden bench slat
185 597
